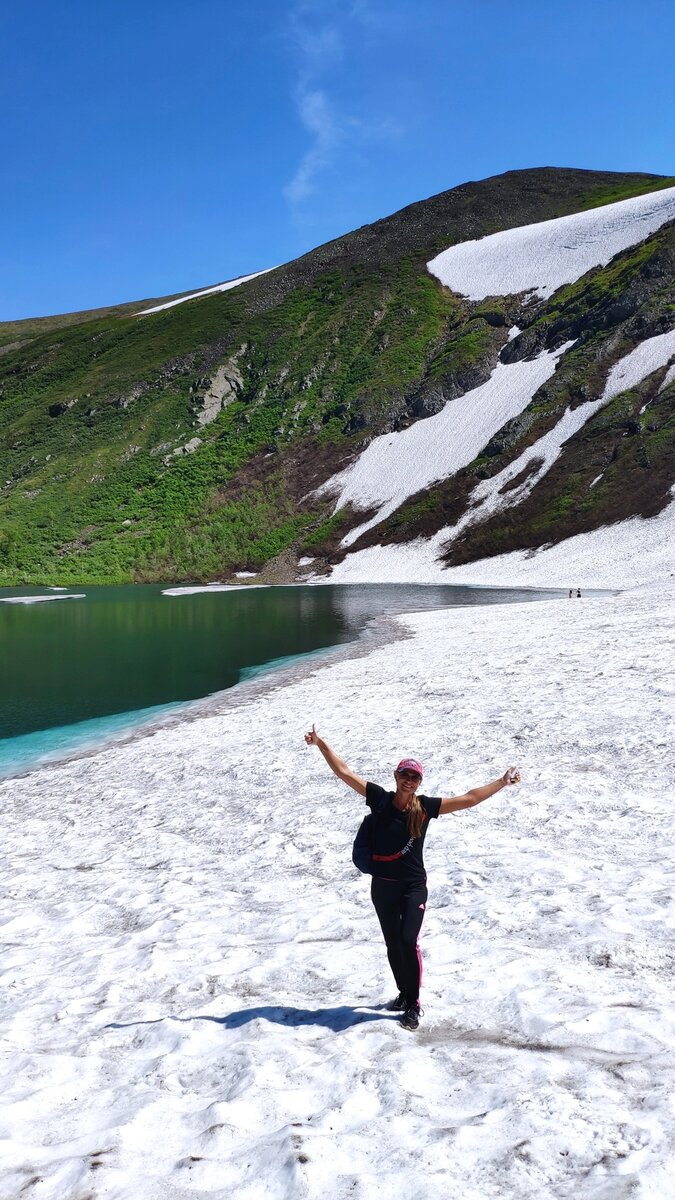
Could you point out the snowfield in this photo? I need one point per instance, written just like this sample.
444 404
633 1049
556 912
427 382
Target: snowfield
543 257
193 977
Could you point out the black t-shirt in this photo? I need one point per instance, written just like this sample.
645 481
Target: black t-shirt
395 854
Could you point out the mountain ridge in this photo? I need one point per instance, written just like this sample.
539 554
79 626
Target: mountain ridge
190 444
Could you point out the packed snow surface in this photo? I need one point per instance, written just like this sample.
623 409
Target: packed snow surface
543 257
219 287
193 977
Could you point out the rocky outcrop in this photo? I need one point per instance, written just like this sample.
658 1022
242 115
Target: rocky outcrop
226 384
62 406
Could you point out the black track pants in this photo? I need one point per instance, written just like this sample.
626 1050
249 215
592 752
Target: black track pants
400 908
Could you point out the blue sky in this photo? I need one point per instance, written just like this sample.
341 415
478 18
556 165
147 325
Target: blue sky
155 146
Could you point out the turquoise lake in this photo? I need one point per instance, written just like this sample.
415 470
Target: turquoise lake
76 672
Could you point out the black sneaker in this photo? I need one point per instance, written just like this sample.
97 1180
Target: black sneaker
399 1004
411 1016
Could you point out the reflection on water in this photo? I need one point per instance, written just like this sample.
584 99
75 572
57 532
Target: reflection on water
121 649
118 650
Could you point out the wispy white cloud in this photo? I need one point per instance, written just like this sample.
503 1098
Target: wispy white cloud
318 32
326 137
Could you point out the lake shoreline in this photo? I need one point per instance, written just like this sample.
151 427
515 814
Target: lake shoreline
379 631
351 628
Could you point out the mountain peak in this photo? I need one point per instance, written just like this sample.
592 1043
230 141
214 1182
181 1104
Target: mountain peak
454 357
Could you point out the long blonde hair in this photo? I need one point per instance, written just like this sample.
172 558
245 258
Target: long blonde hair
416 815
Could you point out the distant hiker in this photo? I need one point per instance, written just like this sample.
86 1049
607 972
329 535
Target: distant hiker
399 885
571 594
578 593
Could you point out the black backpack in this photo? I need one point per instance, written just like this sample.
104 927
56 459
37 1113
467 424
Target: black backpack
363 842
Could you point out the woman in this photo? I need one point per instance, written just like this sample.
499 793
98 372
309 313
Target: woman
399 886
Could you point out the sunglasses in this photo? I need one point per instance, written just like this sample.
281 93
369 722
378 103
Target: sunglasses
409 775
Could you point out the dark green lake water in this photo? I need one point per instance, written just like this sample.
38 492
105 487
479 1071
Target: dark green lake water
75 671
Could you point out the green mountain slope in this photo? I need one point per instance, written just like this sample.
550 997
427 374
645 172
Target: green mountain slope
186 445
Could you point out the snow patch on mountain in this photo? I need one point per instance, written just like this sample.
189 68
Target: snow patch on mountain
396 465
543 257
495 494
219 287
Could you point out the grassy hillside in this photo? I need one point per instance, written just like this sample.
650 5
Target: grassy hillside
15 334
110 470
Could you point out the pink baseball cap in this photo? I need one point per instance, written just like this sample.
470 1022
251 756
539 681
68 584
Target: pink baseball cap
411 764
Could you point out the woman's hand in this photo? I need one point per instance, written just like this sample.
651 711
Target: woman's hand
337 765
511 776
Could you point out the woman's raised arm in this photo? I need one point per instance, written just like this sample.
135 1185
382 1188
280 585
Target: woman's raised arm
476 795
337 765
